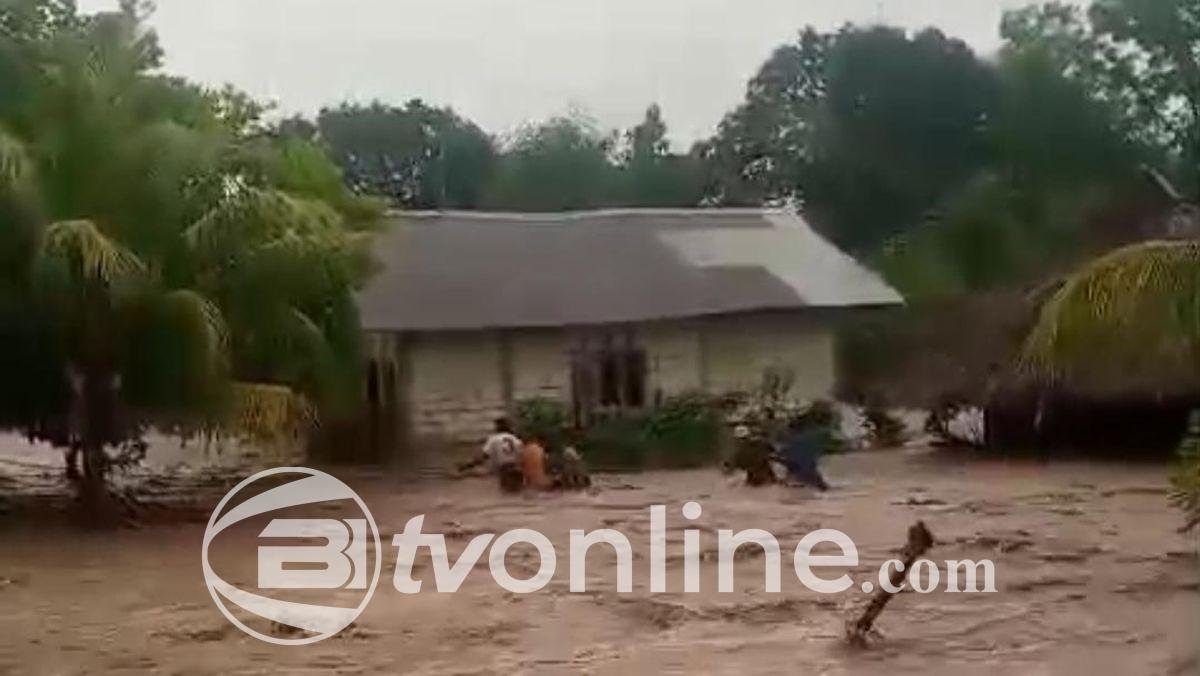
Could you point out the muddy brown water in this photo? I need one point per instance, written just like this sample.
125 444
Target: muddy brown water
1092 577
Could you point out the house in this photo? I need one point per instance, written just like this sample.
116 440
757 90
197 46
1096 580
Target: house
474 312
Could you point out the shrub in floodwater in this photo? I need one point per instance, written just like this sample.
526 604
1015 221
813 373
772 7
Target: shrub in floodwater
547 420
885 429
683 432
617 443
686 431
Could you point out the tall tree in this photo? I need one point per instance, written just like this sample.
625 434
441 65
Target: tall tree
653 176
559 165
417 156
648 140
1140 57
761 147
1053 164
161 246
868 128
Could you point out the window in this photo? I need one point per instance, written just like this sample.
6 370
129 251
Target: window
609 372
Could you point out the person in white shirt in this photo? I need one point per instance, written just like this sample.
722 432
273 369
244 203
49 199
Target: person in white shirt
501 453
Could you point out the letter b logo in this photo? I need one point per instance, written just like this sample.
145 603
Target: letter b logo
343 557
322 554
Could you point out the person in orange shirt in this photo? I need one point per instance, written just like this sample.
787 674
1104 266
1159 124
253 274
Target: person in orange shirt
533 465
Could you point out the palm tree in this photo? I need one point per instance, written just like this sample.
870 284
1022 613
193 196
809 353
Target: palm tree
1129 323
168 262
128 341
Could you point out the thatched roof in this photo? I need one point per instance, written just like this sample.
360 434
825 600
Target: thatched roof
464 270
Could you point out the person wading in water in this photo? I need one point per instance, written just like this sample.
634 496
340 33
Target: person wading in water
502 455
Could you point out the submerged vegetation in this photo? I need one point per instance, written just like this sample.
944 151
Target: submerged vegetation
685 431
689 430
161 243
169 257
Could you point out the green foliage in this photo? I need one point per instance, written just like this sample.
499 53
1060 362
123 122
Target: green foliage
686 431
160 244
978 242
760 148
1128 322
284 269
420 157
651 175
1053 163
416 156
617 444
869 128
956 175
270 414
1138 57
560 165
545 420
1049 132
87 257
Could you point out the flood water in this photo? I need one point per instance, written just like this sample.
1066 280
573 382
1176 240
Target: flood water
1092 578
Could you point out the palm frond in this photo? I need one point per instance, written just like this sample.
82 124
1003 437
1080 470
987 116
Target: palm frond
308 330
1128 321
87 253
205 318
269 413
310 347
253 215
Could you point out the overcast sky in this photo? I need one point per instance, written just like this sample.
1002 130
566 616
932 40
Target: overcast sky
503 62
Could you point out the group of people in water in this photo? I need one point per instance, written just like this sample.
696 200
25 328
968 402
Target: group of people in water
789 455
526 465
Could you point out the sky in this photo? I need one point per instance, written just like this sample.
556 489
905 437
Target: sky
505 62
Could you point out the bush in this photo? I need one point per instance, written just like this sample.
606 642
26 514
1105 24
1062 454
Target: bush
546 420
617 444
684 432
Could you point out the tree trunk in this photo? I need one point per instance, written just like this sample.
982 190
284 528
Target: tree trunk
920 540
96 428
71 458
97 423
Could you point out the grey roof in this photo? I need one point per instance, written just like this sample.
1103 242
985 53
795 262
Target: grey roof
466 270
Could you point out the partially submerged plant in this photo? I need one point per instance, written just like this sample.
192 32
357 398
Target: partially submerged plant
269 414
1127 322
545 420
1130 323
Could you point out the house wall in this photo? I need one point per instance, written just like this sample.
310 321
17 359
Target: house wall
541 364
739 350
455 385
675 358
458 383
